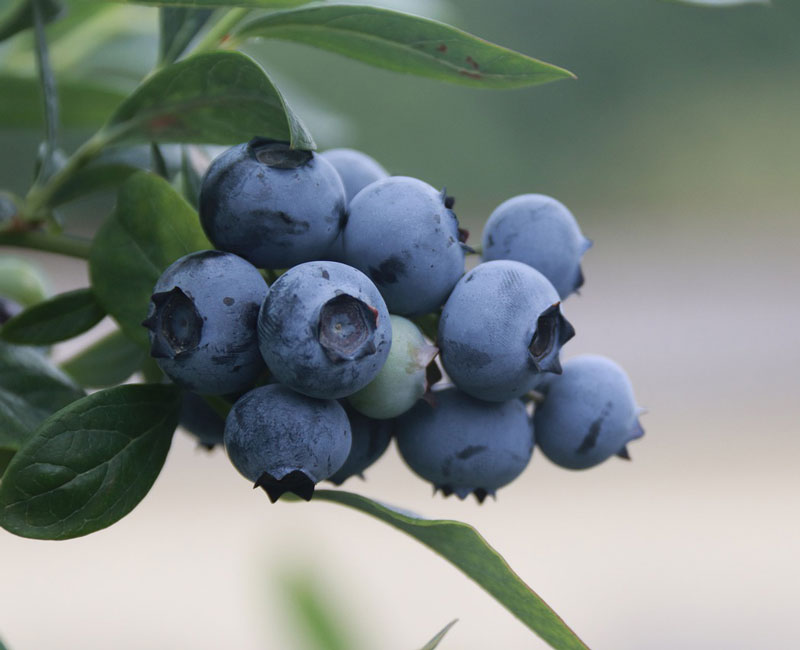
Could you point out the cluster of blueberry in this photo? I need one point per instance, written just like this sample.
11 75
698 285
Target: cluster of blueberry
337 361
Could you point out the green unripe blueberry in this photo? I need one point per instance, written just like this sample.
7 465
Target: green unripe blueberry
21 281
402 380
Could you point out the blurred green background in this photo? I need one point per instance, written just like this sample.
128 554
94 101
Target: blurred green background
678 150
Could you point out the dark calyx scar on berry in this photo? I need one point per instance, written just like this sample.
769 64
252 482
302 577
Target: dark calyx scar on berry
501 329
347 327
286 442
274 205
175 324
202 322
324 330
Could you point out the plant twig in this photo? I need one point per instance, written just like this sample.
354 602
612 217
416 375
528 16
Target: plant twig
49 94
49 242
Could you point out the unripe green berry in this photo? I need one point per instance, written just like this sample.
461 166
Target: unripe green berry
401 381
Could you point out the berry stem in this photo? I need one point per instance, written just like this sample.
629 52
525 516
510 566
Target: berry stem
219 33
49 95
49 242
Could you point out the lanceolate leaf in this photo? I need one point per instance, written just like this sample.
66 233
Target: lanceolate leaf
719 3
31 388
57 319
151 227
92 178
108 362
90 463
404 43
256 4
214 98
462 546
435 641
178 26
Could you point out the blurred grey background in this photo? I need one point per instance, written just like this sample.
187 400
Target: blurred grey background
678 150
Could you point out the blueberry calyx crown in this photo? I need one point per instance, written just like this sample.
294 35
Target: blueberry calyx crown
297 482
480 494
175 324
278 154
347 328
552 331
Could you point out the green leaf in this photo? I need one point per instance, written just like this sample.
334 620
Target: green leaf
19 16
151 227
256 4
463 547
178 26
404 43
214 98
57 319
317 623
90 179
31 388
108 362
5 458
90 463
82 104
719 3
435 641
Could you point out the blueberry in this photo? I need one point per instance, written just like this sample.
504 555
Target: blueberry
8 309
464 445
286 442
403 236
539 231
403 378
21 281
356 169
324 329
500 328
273 205
370 440
588 413
199 419
202 322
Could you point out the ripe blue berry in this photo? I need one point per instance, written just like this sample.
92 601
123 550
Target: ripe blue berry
463 445
286 442
588 413
370 439
324 329
403 236
403 378
356 169
501 327
202 322
539 231
8 309
271 204
199 419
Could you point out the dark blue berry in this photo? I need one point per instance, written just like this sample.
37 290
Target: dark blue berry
356 169
464 445
271 204
501 327
202 322
588 414
403 236
539 231
324 329
370 440
286 442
